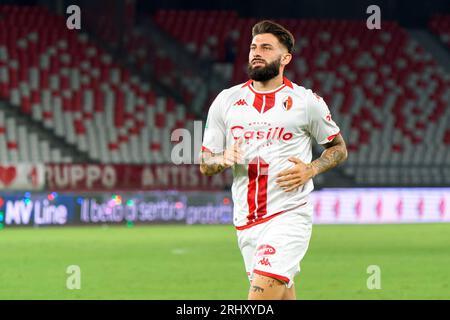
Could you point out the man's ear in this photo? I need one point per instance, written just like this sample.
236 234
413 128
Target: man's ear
286 58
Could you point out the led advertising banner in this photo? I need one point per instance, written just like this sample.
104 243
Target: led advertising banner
157 207
38 209
381 205
331 206
34 209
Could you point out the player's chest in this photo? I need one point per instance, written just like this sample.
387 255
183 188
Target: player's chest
282 110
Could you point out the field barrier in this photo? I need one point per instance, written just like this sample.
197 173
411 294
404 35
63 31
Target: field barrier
332 206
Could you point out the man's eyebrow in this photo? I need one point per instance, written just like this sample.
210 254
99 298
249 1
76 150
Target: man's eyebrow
262 45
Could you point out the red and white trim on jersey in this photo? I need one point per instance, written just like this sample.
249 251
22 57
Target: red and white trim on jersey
272 275
264 101
261 219
205 149
286 82
330 138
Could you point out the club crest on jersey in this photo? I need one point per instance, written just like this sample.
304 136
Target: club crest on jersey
287 103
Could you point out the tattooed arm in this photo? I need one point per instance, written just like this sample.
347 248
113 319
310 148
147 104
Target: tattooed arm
335 153
212 163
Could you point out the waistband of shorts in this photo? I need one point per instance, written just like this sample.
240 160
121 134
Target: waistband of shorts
267 218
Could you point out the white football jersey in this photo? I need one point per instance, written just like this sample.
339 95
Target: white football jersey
275 125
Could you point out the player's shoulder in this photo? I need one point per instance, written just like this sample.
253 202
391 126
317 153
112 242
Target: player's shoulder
306 94
237 89
225 96
301 91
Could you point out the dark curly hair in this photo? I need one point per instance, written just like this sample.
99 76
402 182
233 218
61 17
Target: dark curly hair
283 35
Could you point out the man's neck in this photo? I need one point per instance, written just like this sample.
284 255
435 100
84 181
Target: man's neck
269 85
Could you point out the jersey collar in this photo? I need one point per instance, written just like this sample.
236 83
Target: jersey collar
286 83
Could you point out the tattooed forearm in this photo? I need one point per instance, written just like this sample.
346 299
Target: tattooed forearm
334 154
211 163
257 289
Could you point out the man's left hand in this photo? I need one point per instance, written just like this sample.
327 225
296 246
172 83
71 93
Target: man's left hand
291 179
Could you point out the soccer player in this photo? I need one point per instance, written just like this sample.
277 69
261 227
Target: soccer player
264 130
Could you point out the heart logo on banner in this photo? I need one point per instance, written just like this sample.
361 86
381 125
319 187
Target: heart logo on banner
7 175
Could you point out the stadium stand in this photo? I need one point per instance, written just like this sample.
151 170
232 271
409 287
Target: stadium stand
19 144
62 79
390 101
202 32
146 54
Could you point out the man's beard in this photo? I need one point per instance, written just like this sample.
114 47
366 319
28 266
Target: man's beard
266 73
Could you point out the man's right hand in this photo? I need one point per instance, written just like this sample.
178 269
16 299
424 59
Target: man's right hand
216 163
233 154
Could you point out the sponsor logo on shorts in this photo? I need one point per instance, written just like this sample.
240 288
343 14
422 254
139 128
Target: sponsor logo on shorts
265 262
265 249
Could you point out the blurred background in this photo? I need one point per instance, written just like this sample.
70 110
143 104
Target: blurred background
86 115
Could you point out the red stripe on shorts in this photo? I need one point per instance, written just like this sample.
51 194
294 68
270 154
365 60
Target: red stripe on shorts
271 275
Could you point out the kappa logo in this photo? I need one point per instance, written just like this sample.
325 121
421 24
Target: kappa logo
265 262
328 117
287 103
240 102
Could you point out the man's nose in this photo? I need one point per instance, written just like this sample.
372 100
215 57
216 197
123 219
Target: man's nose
256 55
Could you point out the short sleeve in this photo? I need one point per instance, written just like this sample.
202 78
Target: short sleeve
214 135
321 125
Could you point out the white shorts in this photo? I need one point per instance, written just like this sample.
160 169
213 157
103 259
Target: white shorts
276 247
